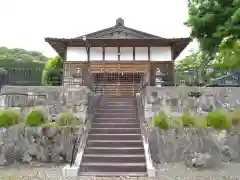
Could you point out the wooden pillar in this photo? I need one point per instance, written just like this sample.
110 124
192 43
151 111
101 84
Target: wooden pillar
134 53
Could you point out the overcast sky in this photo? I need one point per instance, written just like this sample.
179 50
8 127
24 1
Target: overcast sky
25 23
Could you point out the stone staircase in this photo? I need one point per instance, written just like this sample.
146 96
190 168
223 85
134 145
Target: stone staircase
114 145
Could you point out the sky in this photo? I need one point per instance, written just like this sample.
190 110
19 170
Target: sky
25 23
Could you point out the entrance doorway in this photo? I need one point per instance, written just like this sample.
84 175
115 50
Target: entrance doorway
118 83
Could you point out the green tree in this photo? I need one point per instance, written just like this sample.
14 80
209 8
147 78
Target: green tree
193 61
228 57
23 67
211 21
53 72
189 67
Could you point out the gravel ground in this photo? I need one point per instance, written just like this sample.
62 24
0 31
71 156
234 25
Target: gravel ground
166 172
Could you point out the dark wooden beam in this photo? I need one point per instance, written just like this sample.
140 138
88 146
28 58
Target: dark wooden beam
134 53
149 53
119 53
103 53
88 53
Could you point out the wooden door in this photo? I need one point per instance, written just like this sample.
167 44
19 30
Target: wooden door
119 83
119 78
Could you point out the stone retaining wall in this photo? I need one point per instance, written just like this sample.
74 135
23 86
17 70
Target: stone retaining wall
176 145
45 144
154 98
51 99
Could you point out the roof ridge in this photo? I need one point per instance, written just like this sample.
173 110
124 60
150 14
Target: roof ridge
125 29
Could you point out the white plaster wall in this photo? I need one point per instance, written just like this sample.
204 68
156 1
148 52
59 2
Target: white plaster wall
76 54
111 53
160 54
126 53
96 54
141 53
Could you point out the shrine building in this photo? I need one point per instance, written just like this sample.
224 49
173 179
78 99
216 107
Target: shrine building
119 59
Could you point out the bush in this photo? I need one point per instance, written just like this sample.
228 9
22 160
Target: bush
53 72
187 119
35 118
218 120
9 117
68 119
161 120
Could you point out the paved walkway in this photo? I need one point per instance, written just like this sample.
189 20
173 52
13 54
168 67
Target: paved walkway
166 172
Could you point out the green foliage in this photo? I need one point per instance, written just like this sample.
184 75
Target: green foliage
189 67
212 21
20 55
188 120
161 120
53 72
218 120
193 61
229 54
68 119
9 117
35 117
23 67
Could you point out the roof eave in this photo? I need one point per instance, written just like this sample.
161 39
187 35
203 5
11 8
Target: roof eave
60 44
178 47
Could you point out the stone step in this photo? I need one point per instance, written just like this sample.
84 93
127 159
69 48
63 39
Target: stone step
113 115
110 110
115 125
117 113
112 150
99 158
107 105
118 99
115 137
114 174
113 167
115 120
117 102
115 131
114 106
110 143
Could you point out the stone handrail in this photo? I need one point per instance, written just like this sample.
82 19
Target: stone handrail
83 134
140 97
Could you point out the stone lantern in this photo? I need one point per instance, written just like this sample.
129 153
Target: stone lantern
159 77
78 80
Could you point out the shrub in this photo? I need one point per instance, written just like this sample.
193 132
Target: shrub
35 118
68 119
161 120
53 72
187 119
9 117
218 120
